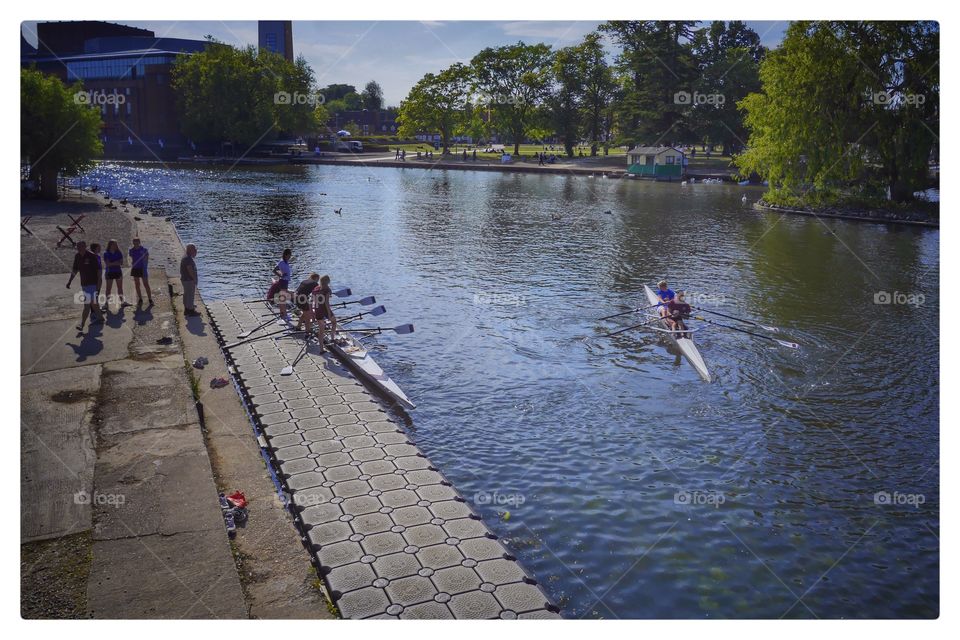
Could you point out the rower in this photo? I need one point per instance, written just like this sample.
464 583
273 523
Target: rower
665 295
677 310
302 299
321 297
282 271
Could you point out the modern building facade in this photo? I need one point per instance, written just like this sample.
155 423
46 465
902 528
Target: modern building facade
126 72
276 36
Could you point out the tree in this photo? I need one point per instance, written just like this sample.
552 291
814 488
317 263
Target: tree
513 81
353 101
659 72
845 109
598 88
437 103
244 96
59 129
333 92
372 96
728 58
565 101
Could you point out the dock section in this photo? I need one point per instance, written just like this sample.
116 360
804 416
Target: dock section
391 537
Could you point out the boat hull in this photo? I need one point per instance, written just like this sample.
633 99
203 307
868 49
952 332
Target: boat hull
355 356
686 345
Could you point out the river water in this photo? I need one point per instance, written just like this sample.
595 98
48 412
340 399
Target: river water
796 484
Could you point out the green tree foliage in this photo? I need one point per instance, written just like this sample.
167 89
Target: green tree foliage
437 103
658 66
566 99
372 96
846 109
728 59
333 92
59 129
512 82
599 88
244 96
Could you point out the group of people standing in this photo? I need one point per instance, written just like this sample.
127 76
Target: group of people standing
311 298
94 268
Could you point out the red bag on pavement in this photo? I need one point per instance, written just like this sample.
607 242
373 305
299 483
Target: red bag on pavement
237 499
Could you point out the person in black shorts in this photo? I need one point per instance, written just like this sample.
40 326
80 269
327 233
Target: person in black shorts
87 265
139 266
303 299
322 294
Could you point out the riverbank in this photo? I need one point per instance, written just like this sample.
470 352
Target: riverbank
917 218
124 447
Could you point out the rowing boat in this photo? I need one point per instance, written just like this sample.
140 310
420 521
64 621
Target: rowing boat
353 354
686 345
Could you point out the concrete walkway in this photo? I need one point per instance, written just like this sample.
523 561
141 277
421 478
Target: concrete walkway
390 534
119 509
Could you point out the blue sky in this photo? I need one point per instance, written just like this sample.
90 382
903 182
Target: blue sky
395 54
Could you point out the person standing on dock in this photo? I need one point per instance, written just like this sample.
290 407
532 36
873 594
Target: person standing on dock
302 298
87 265
282 271
188 280
321 296
139 259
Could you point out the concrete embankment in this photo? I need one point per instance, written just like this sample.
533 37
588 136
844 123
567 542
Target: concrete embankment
120 474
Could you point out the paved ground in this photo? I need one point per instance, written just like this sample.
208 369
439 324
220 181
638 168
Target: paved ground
393 538
119 510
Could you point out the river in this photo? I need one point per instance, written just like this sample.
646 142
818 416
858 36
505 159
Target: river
796 484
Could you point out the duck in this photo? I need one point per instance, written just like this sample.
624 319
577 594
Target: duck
339 211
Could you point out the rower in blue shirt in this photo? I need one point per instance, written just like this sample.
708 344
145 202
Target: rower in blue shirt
665 295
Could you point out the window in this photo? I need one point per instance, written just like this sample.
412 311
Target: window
669 159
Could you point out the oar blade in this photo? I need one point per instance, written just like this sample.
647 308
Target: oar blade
343 293
788 345
287 370
404 329
366 302
376 311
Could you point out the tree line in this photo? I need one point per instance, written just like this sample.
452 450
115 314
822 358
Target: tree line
668 83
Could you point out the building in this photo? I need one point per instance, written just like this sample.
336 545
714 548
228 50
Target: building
126 71
276 36
369 123
656 162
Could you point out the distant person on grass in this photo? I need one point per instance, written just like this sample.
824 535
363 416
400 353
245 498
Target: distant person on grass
87 264
188 280
139 259
113 261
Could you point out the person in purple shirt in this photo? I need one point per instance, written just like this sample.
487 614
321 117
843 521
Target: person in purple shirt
113 270
665 295
139 259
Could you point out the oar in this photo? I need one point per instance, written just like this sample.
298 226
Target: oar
623 313
364 302
266 335
376 311
636 326
246 334
288 370
782 343
402 329
756 324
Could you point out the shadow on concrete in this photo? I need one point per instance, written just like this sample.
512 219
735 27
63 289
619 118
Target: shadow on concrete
90 344
142 315
196 325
